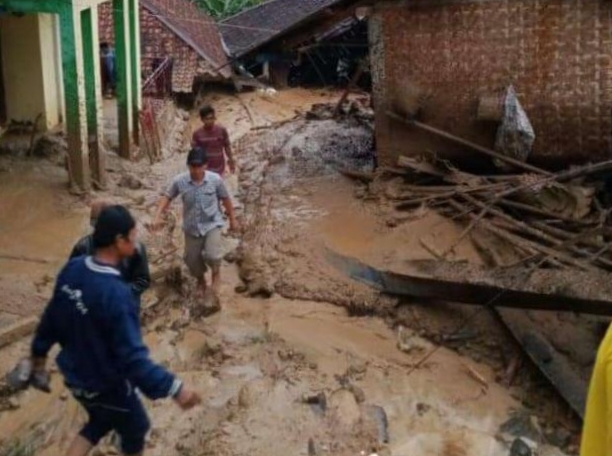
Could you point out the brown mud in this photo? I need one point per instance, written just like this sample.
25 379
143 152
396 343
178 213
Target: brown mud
303 360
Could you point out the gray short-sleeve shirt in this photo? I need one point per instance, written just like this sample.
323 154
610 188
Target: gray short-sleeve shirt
201 211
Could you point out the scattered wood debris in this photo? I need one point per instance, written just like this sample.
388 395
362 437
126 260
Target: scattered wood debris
551 219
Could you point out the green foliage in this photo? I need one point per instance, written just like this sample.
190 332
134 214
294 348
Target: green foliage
221 9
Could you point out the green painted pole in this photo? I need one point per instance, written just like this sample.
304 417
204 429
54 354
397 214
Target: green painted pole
90 54
134 18
122 65
78 166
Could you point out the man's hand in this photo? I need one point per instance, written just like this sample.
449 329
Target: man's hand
232 165
187 399
41 380
234 226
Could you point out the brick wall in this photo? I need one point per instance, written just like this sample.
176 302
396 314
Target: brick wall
557 53
158 41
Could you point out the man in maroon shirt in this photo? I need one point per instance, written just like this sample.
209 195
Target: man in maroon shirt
214 139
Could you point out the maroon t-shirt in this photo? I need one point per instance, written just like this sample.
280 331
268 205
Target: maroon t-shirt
214 141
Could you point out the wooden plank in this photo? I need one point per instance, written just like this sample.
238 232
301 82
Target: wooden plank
429 287
475 147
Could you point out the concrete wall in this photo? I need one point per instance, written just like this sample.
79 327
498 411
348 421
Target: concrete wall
557 54
30 72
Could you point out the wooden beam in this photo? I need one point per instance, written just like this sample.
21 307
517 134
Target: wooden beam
475 147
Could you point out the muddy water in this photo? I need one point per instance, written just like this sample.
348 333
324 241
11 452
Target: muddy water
36 221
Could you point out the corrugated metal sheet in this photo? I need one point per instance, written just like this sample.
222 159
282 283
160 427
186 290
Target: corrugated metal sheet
258 25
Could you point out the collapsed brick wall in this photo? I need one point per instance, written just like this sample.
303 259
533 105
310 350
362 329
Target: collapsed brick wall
557 53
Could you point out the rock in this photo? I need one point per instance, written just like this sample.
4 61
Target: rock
522 425
357 370
559 437
14 403
522 447
240 289
344 408
139 200
409 342
422 408
131 182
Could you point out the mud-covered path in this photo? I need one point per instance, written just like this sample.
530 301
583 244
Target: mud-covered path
286 375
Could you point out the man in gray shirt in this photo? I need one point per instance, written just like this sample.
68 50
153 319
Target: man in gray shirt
201 191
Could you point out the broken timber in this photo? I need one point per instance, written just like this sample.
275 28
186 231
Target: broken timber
554 366
419 286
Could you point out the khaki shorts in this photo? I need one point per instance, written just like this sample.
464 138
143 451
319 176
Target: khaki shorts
203 251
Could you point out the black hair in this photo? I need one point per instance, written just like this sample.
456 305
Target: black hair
206 110
197 155
112 222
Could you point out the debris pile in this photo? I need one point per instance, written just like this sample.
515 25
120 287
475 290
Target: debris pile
549 219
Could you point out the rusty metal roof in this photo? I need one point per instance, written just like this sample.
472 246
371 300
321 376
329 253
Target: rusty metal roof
258 25
194 27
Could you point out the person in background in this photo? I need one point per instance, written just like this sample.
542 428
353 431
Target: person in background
107 61
214 139
134 270
201 191
103 359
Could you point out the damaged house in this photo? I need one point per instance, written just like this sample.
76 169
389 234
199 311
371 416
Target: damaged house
178 35
50 77
444 62
293 42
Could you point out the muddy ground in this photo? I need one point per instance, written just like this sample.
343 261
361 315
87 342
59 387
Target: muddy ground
300 360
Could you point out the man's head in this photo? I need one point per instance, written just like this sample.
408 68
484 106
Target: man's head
196 161
115 231
104 47
208 116
97 206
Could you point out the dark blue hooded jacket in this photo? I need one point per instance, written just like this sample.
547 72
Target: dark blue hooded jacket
93 318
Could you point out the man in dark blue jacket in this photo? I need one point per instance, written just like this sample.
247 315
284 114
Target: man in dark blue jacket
103 358
134 270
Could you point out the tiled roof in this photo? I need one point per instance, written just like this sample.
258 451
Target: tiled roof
258 25
194 27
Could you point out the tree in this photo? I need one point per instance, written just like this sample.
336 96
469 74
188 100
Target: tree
221 9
